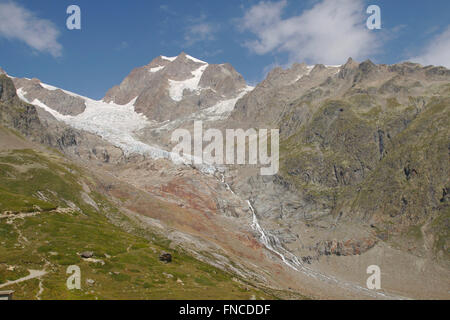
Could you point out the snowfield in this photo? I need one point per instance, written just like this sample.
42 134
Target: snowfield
176 89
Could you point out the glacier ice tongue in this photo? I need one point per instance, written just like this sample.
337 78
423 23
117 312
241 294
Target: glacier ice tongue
118 125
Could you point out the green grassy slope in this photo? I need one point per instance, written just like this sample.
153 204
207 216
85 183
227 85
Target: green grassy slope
50 222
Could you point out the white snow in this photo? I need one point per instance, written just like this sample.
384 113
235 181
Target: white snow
118 125
156 69
310 68
21 94
220 111
222 107
6 74
171 59
177 88
52 88
48 87
226 106
195 59
300 76
337 67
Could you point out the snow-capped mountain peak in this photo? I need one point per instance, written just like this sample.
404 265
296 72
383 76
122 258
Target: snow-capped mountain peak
163 94
172 87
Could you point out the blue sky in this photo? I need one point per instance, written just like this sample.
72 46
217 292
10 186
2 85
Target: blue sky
254 36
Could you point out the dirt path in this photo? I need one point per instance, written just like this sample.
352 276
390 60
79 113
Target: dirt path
12 217
33 275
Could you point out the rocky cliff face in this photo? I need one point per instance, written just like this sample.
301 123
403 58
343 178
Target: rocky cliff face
54 98
14 113
171 88
361 143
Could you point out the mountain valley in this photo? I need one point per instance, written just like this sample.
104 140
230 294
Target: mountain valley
363 180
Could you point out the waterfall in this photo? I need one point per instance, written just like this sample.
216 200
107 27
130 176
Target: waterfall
270 242
273 244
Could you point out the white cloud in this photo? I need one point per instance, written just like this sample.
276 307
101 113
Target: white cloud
17 22
199 32
329 33
437 52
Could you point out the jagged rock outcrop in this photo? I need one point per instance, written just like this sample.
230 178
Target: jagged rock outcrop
16 114
351 247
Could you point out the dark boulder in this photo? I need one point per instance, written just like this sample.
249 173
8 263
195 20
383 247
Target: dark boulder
165 257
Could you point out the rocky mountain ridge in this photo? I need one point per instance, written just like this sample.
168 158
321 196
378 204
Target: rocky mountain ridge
349 137
364 160
171 88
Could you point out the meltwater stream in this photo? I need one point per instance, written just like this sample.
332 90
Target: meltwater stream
273 244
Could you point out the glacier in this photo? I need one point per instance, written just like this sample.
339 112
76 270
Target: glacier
117 124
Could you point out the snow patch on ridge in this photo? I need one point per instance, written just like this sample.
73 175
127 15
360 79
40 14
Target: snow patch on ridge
307 73
171 59
6 73
176 89
227 106
195 59
156 69
310 68
48 87
337 67
52 88
219 111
